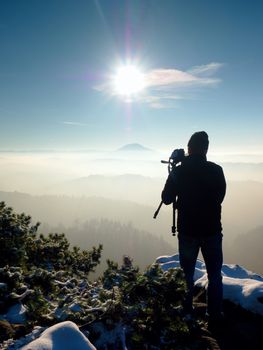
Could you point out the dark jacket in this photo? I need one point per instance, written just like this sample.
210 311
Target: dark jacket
199 187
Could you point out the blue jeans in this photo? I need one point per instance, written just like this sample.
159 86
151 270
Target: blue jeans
211 248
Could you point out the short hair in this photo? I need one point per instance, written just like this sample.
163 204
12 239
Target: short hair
198 142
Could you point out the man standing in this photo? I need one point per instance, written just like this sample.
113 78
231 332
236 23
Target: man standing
198 187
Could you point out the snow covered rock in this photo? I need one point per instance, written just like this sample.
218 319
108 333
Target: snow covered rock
16 314
240 286
247 293
62 336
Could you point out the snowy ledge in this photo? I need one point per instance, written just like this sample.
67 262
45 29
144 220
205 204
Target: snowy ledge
62 336
240 286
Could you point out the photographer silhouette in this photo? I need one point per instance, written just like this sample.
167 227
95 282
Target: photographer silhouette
198 187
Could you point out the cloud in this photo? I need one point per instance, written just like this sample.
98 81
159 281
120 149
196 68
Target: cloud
161 100
74 123
172 78
168 77
206 69
164 86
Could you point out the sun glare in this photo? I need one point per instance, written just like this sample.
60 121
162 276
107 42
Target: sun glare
128 81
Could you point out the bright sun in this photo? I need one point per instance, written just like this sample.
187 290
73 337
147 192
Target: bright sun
128 81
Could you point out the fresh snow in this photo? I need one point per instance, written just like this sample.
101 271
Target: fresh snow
240 286
62 336
3 286
16 314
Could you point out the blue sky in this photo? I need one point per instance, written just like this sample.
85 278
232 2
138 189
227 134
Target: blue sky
203 59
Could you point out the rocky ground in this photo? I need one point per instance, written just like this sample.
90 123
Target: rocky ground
240 329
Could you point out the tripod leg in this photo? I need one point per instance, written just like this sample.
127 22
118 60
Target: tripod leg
158 209
174 219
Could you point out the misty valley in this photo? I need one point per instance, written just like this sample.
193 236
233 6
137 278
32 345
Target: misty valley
117 211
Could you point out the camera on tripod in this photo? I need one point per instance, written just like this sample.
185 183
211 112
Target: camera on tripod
176 157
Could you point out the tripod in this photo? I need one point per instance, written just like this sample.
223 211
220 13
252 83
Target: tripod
173 228
176 157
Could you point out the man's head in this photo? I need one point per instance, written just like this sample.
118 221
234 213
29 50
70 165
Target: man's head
198 143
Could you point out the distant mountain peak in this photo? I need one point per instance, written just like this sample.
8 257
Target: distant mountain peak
134 147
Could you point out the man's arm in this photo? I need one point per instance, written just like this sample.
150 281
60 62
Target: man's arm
221 185
169 192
